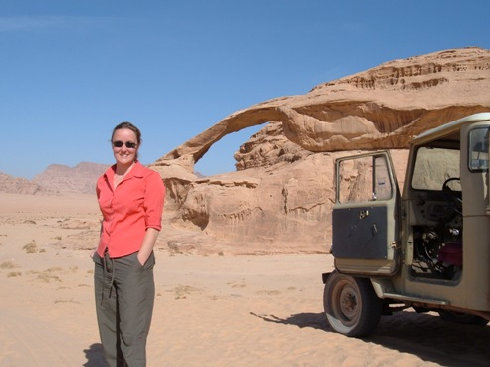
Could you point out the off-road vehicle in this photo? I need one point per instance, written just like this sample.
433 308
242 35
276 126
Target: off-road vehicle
429 248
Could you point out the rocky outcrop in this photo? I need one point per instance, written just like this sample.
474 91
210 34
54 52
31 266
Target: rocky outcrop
379 108
56 179
283 208
64 179
18 185
281 197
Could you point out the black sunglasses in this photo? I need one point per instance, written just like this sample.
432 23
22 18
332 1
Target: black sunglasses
128 144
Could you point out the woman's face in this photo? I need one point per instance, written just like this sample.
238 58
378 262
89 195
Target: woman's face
124 146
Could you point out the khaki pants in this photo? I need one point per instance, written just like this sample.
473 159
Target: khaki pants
124 295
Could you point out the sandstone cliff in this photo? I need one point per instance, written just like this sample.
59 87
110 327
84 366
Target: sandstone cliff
280 199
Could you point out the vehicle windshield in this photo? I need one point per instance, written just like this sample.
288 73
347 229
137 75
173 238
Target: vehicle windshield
433 166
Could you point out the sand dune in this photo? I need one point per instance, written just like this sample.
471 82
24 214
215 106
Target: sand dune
209 311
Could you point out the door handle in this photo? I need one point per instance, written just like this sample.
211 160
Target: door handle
363 214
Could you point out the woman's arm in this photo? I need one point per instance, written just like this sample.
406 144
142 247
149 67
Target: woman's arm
153 206
100 235
149 240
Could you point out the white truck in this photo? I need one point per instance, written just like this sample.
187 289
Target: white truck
427 248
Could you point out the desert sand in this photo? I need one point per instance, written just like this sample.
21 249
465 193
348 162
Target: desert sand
215 310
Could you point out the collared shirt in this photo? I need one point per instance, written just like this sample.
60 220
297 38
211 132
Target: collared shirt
135 205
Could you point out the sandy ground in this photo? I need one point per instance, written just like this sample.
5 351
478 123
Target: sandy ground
209 311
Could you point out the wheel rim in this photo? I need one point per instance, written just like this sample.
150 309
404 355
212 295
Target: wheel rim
347 302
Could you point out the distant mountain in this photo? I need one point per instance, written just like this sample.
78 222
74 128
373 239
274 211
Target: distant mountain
79 179
18 185
56 179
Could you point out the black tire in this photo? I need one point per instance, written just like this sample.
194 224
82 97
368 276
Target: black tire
351 306
462 318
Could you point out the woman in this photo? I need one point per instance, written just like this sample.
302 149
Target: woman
131 200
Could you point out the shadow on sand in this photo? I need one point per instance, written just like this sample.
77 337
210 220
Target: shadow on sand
307 319
95 356
424 335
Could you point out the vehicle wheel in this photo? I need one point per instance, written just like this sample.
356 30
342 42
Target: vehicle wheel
351 306
462 318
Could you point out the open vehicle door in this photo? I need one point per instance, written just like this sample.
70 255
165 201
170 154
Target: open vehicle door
365 216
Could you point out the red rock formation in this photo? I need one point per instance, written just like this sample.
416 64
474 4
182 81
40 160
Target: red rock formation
280 200
379 108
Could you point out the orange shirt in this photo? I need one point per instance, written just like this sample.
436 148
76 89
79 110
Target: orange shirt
135 205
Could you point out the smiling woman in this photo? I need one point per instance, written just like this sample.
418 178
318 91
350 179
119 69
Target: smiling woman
131 200
126 138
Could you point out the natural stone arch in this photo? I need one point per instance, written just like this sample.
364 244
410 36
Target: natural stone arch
379 108
280 198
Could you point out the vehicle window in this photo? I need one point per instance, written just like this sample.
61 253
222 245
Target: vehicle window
364 179
478 146
383 190
433 166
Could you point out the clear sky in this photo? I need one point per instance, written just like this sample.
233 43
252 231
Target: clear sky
72 69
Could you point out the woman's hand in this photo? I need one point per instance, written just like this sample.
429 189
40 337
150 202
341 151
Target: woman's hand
140 258
147 245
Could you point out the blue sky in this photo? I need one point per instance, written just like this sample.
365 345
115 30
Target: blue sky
73 69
